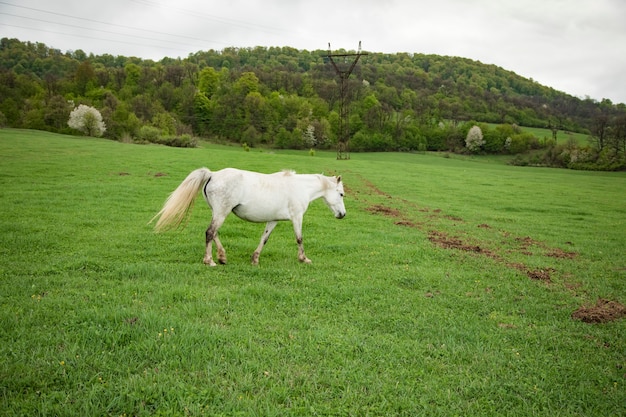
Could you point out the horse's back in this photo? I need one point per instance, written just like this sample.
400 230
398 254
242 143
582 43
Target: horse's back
241 178
254 196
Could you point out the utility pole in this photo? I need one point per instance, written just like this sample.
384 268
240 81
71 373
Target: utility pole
343 146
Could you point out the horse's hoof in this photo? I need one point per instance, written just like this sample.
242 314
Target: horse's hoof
209 262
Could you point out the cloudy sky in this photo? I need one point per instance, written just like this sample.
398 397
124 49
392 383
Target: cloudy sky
574 46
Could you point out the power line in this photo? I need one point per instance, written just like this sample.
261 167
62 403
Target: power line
228 21
85 28
106 23
87 37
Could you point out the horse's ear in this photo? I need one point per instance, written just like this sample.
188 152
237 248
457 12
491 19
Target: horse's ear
338 179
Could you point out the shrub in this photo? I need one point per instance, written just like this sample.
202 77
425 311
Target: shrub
180 141
149 134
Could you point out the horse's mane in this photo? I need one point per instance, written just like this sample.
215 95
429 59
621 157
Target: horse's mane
288 172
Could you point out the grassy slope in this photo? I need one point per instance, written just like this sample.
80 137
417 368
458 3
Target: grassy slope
102 317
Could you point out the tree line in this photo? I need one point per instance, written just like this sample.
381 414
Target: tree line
288 98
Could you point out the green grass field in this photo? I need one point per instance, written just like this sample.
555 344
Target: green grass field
561 136
447 290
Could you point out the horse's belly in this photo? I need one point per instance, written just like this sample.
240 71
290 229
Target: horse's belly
260 213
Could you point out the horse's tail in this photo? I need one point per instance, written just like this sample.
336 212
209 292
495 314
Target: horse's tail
179 204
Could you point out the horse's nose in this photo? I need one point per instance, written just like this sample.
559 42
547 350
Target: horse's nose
341 215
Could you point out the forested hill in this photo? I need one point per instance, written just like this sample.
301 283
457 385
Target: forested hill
266 94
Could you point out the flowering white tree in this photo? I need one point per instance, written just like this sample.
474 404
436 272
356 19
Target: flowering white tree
88 120
474 139
309 136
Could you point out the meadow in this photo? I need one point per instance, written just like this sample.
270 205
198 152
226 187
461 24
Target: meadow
452 287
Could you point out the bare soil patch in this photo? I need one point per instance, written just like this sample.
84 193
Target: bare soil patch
448 242
386 211
604 311
540 274
560 253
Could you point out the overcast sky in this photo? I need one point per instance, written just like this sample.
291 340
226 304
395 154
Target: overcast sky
574 46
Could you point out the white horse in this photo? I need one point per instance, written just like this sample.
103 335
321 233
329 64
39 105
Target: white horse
254 197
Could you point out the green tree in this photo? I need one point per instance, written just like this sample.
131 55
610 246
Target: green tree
85 77
208 81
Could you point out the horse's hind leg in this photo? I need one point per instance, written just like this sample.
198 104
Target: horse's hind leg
211 235
221 252
266 235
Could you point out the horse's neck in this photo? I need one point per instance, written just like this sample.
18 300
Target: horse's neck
314 184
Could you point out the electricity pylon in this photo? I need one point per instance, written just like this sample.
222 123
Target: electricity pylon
343 140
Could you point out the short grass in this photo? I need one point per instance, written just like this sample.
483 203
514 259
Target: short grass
562 136
447 290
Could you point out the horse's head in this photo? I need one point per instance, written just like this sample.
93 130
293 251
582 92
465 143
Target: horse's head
334 197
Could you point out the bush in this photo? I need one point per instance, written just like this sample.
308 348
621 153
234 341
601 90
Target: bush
149 134
181 141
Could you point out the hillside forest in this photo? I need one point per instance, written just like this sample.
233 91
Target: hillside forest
281 97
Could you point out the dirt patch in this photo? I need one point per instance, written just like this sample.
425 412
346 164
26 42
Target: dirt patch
453 218
560 253
604 311
405 223
386 211
540 274
123 174
160 174
448 242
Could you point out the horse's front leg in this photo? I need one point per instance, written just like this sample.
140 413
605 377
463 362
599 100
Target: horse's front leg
264 238
297 228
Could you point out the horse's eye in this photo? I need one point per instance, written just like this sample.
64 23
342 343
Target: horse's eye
341 194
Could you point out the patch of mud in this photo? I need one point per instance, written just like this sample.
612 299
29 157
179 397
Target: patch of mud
560 253
448 242
386 211
540 274
405 223
604 311
453 218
